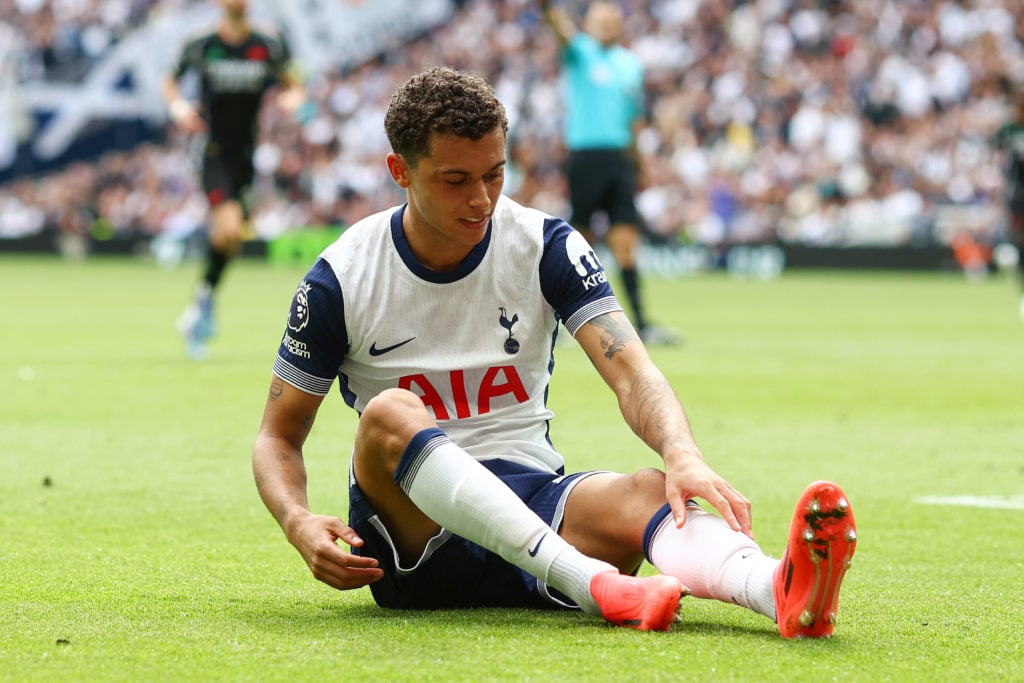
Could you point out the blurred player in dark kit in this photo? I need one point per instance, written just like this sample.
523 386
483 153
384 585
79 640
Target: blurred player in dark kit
236 64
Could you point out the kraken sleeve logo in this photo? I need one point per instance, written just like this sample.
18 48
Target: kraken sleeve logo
298 316
511 345
582 257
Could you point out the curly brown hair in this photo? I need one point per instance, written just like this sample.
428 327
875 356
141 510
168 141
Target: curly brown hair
441 100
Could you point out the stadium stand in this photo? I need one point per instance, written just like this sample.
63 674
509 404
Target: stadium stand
841 123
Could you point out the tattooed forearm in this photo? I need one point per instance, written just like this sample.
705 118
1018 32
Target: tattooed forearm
654 412
646 399
615 332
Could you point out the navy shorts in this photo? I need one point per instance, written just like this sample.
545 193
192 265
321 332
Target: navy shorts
455 573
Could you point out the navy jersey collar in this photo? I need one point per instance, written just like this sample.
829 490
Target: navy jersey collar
467 266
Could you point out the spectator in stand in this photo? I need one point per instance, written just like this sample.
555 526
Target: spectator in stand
919 80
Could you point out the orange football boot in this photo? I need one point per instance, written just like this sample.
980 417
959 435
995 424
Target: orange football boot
649 603
822 538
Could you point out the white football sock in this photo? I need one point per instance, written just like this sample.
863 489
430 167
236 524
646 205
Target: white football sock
463 496
712 560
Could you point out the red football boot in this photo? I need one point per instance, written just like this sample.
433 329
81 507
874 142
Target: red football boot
649 603
822 538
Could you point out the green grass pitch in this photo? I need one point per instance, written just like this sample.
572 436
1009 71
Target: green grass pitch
133 545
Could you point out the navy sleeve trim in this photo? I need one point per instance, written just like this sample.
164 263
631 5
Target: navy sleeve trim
299 379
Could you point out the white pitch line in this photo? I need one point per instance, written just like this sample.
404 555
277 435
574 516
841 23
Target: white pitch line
992 502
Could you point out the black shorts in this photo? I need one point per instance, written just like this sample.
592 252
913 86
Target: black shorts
227 175
454 572
601 180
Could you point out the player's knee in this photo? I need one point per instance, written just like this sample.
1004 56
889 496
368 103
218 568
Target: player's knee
386 425
394 399
395 413
227 238
227 226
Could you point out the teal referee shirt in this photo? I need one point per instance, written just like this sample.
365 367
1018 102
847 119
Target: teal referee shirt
604 88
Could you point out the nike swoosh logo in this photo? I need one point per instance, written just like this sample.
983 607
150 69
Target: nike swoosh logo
374 351
536 548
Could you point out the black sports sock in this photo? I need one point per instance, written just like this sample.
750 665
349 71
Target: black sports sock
631 279
216 262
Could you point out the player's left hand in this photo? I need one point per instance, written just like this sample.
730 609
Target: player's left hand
690 477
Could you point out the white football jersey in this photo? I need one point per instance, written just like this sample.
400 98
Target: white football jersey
476 343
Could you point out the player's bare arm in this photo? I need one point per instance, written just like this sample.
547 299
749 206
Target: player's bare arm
654 413
559 20
280 474
183 113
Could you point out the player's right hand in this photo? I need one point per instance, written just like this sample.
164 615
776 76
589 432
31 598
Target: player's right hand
316 538
185 117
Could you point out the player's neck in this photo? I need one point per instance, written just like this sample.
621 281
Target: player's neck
437 253
234 29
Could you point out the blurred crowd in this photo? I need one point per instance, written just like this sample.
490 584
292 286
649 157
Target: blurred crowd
60 39
816 122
